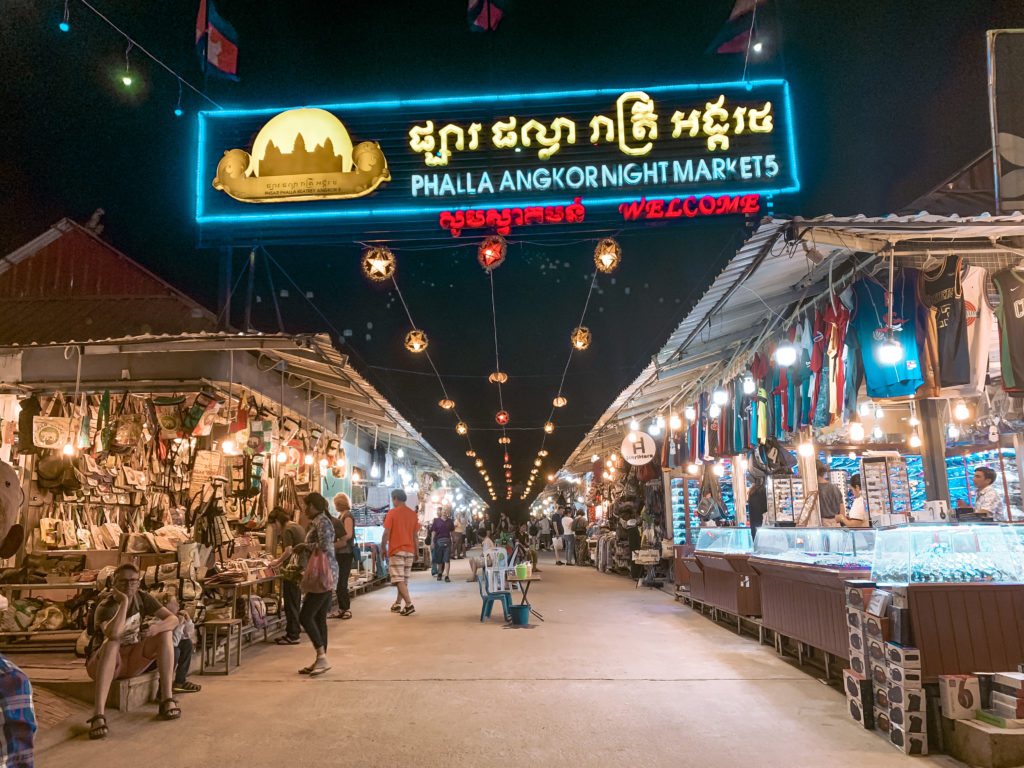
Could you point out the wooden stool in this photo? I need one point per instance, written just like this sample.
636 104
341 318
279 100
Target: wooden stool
232 629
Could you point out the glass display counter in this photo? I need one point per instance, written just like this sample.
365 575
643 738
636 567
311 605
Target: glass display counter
931 554
729 583
802 574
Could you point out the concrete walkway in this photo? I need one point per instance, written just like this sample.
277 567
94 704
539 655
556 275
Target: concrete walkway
614 677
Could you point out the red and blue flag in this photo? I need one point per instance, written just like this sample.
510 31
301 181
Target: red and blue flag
216 41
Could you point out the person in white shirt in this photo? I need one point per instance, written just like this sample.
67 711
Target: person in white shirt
544 526
857 517
987 500
476 563
568 539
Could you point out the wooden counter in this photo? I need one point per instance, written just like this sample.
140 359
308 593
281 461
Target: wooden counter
696 576
730 584
806 602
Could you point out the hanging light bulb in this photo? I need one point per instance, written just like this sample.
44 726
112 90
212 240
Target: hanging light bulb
914 421
580 338
876 432
374 470
785 354
915 440
504 440
537 462
68 449
594 458
856 431
282 456
654 430
720 397
674 421
355 476
690 413
953 431
501 417
549 427
715 410
660 421
446 404
879 413
228 446
339 463
631 437
479 462
400 453
308 459
805 449
864 408
749 387
960 412
323 464
890 351
852 455
634 425
471 453
718 469
544 452
461 428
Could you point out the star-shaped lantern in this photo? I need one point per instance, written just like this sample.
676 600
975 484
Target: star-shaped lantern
607 255
416 341
491 253
501 417
378 263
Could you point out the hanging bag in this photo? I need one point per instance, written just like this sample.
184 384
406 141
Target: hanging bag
53 431
317 577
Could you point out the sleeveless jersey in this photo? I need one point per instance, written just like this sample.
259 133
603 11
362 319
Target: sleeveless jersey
1010 314
869 323
942 290
978 321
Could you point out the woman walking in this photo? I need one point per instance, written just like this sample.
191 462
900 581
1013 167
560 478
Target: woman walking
344 534
441 531
291 535
315 605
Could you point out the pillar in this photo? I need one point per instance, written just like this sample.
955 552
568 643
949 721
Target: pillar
933 450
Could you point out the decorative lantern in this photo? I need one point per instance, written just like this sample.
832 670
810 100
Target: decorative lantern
537 462
378 263
461 428
607 255
559 402
479 462
498 377
483 471
504 440
501 417
549 427
416 341
506 466
447 404
491 253
471 453
580 338
508 475
542 452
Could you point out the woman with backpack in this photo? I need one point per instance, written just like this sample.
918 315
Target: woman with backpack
316 604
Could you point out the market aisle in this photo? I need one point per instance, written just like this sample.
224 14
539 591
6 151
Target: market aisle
614 677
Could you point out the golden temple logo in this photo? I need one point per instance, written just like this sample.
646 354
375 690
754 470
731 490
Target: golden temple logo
302 154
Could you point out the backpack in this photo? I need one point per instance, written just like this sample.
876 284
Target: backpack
258 612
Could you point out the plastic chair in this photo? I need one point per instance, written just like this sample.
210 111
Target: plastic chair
489 597
496 566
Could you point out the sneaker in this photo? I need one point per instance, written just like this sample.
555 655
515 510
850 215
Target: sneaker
409 610
396 608
447 579
439 577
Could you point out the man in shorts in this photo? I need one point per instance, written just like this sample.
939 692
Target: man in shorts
126 647
399 543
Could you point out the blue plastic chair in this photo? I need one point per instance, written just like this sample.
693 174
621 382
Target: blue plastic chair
489 597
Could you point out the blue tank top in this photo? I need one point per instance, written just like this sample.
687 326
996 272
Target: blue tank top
869 321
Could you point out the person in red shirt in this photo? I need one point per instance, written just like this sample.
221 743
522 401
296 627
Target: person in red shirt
399 544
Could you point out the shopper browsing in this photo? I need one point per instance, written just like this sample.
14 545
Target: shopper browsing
126 646
579 530
183 637
857 517
317 603
544 529
830 500
757 505
441 531
568 539
399 544
344 535
459 537
290 534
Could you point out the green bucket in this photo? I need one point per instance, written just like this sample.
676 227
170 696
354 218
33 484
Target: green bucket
520 615
521 571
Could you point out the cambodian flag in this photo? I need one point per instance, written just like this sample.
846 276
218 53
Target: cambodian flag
735 35
484 15
219 41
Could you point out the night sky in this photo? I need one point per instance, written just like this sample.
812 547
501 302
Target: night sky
890 100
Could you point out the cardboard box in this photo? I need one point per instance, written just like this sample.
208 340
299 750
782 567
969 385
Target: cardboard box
899 597
911 699
856 685
875 649
909 722
959 696
985 683
1009 690
1007 706
908 743
859 664
900 630
856 618
878 604
860 713
908 678
858 593
904 656
881 717
899 715
1009 679
877 629
879 674
880 697
855 639
858 698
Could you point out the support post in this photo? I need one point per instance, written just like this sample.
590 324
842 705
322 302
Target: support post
1018 450
933 451
224 287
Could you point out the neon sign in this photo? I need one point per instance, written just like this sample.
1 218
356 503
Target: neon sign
690 207
502 220
493 154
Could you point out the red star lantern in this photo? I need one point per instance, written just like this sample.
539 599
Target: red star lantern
491 253
501 417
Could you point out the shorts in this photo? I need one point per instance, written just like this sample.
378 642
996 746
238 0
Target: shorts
131 661
400 565
442 551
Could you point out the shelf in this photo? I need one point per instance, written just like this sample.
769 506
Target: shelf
50 585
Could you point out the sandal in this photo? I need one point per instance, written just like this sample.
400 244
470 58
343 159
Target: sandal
169 709
187 687
319 667
346 615
307 670
287 641
99 730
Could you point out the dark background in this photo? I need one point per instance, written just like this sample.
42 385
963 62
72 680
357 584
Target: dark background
889 97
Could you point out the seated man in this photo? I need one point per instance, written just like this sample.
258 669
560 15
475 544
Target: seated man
125 648
184 644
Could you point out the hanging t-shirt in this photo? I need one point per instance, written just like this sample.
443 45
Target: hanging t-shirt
837 320
941 289
978 319
1010 313
870 323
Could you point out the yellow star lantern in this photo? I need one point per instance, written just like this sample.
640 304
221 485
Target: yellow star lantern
461 428
447 404
416 341
607 255
378 263
580 338
559 402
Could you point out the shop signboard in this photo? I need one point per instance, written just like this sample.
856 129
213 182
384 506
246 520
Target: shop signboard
445 167
638 448
1006 104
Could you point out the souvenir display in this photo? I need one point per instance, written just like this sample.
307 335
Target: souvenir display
943 553
846 549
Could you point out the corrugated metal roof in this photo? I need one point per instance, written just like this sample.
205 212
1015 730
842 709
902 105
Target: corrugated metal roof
786 264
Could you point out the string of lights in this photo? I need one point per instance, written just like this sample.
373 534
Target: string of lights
127 79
